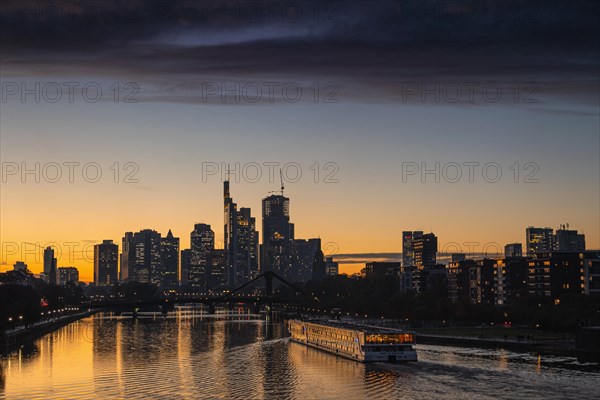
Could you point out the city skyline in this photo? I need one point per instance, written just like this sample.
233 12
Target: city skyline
349 263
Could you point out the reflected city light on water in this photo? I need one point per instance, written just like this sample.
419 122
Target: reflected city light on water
186 357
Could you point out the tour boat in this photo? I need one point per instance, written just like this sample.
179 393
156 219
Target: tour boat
364 343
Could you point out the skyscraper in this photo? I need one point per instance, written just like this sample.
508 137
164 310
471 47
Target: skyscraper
218 269
247 249
186 258
407 247
319 268
303 253
538 240
50 272
202 246
106 255
141 257
169 272
277 235
425 250
241 241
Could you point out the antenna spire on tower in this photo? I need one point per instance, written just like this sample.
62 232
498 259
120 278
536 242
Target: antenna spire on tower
281 180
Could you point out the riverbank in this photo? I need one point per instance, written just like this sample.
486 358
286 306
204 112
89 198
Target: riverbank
11 340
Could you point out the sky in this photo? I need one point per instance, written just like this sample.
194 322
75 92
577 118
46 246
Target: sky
472 120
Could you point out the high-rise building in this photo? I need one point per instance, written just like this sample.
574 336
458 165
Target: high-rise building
538 240
106 264
218 269
186 259
247 247
141 257
553 274
513 250
471 281
331 267
303 258
458 281
568 240
425 250
202 246
50 272
68 274
169 271
277 236
241 241
408 237
319 271
510 279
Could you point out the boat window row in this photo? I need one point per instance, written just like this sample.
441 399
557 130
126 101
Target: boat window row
394 338
333 333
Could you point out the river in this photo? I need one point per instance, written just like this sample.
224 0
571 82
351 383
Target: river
193 357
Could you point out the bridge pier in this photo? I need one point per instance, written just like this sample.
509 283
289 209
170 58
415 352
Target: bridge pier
211 308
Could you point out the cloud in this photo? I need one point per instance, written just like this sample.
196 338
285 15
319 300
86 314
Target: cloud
376 51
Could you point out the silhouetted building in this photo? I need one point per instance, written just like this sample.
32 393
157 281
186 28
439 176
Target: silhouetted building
19 277
568 240
430 278
241 241
20 266
484 281
408 258
278 234
319 271
50 272
202 246
106 263
471 281
376 269
219 275
141 257
68 274
553 274
538 240
591 272
510 280
458 281
331 267
247 258
425 250
186 258
456 257
406 278
513 250
169 271
303 259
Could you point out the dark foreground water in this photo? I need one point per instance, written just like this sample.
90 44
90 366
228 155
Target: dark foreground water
185 357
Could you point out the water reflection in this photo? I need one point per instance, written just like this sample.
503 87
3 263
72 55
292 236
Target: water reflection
2 379
203 357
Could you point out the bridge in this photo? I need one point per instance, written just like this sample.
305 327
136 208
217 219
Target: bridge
233 297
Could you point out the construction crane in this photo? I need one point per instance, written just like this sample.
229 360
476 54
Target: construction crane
281 180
